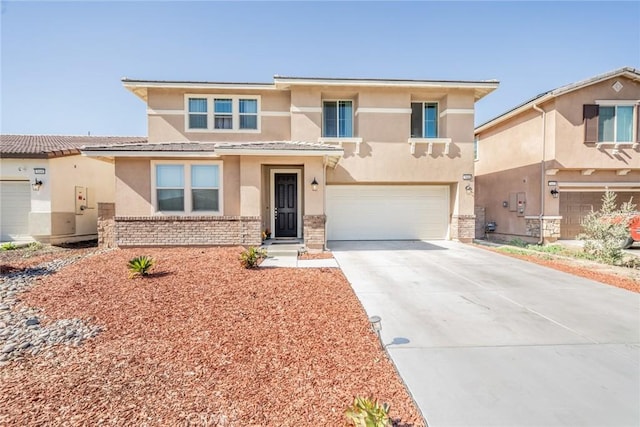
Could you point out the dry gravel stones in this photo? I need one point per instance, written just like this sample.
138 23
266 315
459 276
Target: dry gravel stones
21 330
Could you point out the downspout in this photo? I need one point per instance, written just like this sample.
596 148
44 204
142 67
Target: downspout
542 170
324 199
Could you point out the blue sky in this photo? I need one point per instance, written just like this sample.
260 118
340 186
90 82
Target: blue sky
62 61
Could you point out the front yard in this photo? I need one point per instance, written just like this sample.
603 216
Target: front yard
201 341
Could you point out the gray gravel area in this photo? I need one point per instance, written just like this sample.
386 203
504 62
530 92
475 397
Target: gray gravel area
24 330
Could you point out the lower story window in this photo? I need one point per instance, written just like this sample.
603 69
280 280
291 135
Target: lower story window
187 187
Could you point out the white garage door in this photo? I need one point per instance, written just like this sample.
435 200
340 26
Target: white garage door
387 212
15 205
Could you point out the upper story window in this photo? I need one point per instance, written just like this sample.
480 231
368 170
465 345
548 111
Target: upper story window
187 187
222 113
610 122
197 113
615 124
475 148
337 119
424 120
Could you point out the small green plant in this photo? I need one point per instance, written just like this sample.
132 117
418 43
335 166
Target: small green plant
250 257
549 249
518 242
140 266
34 246
365 412
9 246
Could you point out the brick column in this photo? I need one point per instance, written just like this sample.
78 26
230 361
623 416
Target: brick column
106 225
463 228
314 231
480 222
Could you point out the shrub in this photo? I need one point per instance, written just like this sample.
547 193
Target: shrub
606 230
34 246
140 266
9 246
250 257
518 242
365 412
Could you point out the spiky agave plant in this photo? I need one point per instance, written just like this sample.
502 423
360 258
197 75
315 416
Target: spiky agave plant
365 412
140 266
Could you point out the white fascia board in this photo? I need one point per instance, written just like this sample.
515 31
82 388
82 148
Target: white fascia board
602 184
131 85
106 153
284 82
290 153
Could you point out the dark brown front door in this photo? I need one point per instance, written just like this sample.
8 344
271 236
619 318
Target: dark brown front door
286 212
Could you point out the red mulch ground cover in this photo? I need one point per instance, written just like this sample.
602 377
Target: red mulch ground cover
319 255
589 270
202 341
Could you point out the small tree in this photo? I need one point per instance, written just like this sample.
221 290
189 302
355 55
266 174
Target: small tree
606 230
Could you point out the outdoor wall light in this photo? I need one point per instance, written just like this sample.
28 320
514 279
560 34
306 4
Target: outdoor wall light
314 184
469 189
555 193
36 184
376 325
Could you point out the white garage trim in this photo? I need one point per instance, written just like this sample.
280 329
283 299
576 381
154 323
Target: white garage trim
15 205
387 212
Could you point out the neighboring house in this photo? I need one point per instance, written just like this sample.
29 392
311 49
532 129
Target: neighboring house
48 191
306 158
546 163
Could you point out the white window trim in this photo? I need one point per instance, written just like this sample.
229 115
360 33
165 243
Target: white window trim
476 149
187 188
235 115
338 118
422 121
634 124
272 198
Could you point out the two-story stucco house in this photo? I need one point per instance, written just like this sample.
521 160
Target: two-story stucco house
546 163
305 158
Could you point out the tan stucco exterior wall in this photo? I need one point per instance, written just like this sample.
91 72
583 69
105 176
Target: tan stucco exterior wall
166 117
133 187
53 217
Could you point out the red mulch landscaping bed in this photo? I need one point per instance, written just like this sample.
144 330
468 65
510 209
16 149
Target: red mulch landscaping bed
202 341
319 255
589 270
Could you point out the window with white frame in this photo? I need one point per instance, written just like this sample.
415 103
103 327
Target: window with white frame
187 187
615 123
197 113
222 113
337 119
424 120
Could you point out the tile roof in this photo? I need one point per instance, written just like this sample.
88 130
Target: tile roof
46 146
213 146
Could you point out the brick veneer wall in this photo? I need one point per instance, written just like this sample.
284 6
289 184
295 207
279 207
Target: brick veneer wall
106 225
314 231
551 231
188 230
463 228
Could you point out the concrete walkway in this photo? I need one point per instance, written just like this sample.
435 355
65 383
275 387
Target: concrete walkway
287 256
482 339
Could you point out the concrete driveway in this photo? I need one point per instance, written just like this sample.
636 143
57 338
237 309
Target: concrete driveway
483 339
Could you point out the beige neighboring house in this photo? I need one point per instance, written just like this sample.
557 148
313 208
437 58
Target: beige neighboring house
48 191
546 163
302 158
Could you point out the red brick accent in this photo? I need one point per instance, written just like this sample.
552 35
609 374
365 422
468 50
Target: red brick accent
188 230
314 231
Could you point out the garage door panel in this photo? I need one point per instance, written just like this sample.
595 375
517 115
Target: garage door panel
15 205
574 206
387 212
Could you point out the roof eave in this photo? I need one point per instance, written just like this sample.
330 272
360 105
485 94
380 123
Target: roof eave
286 82
628 72
147 153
